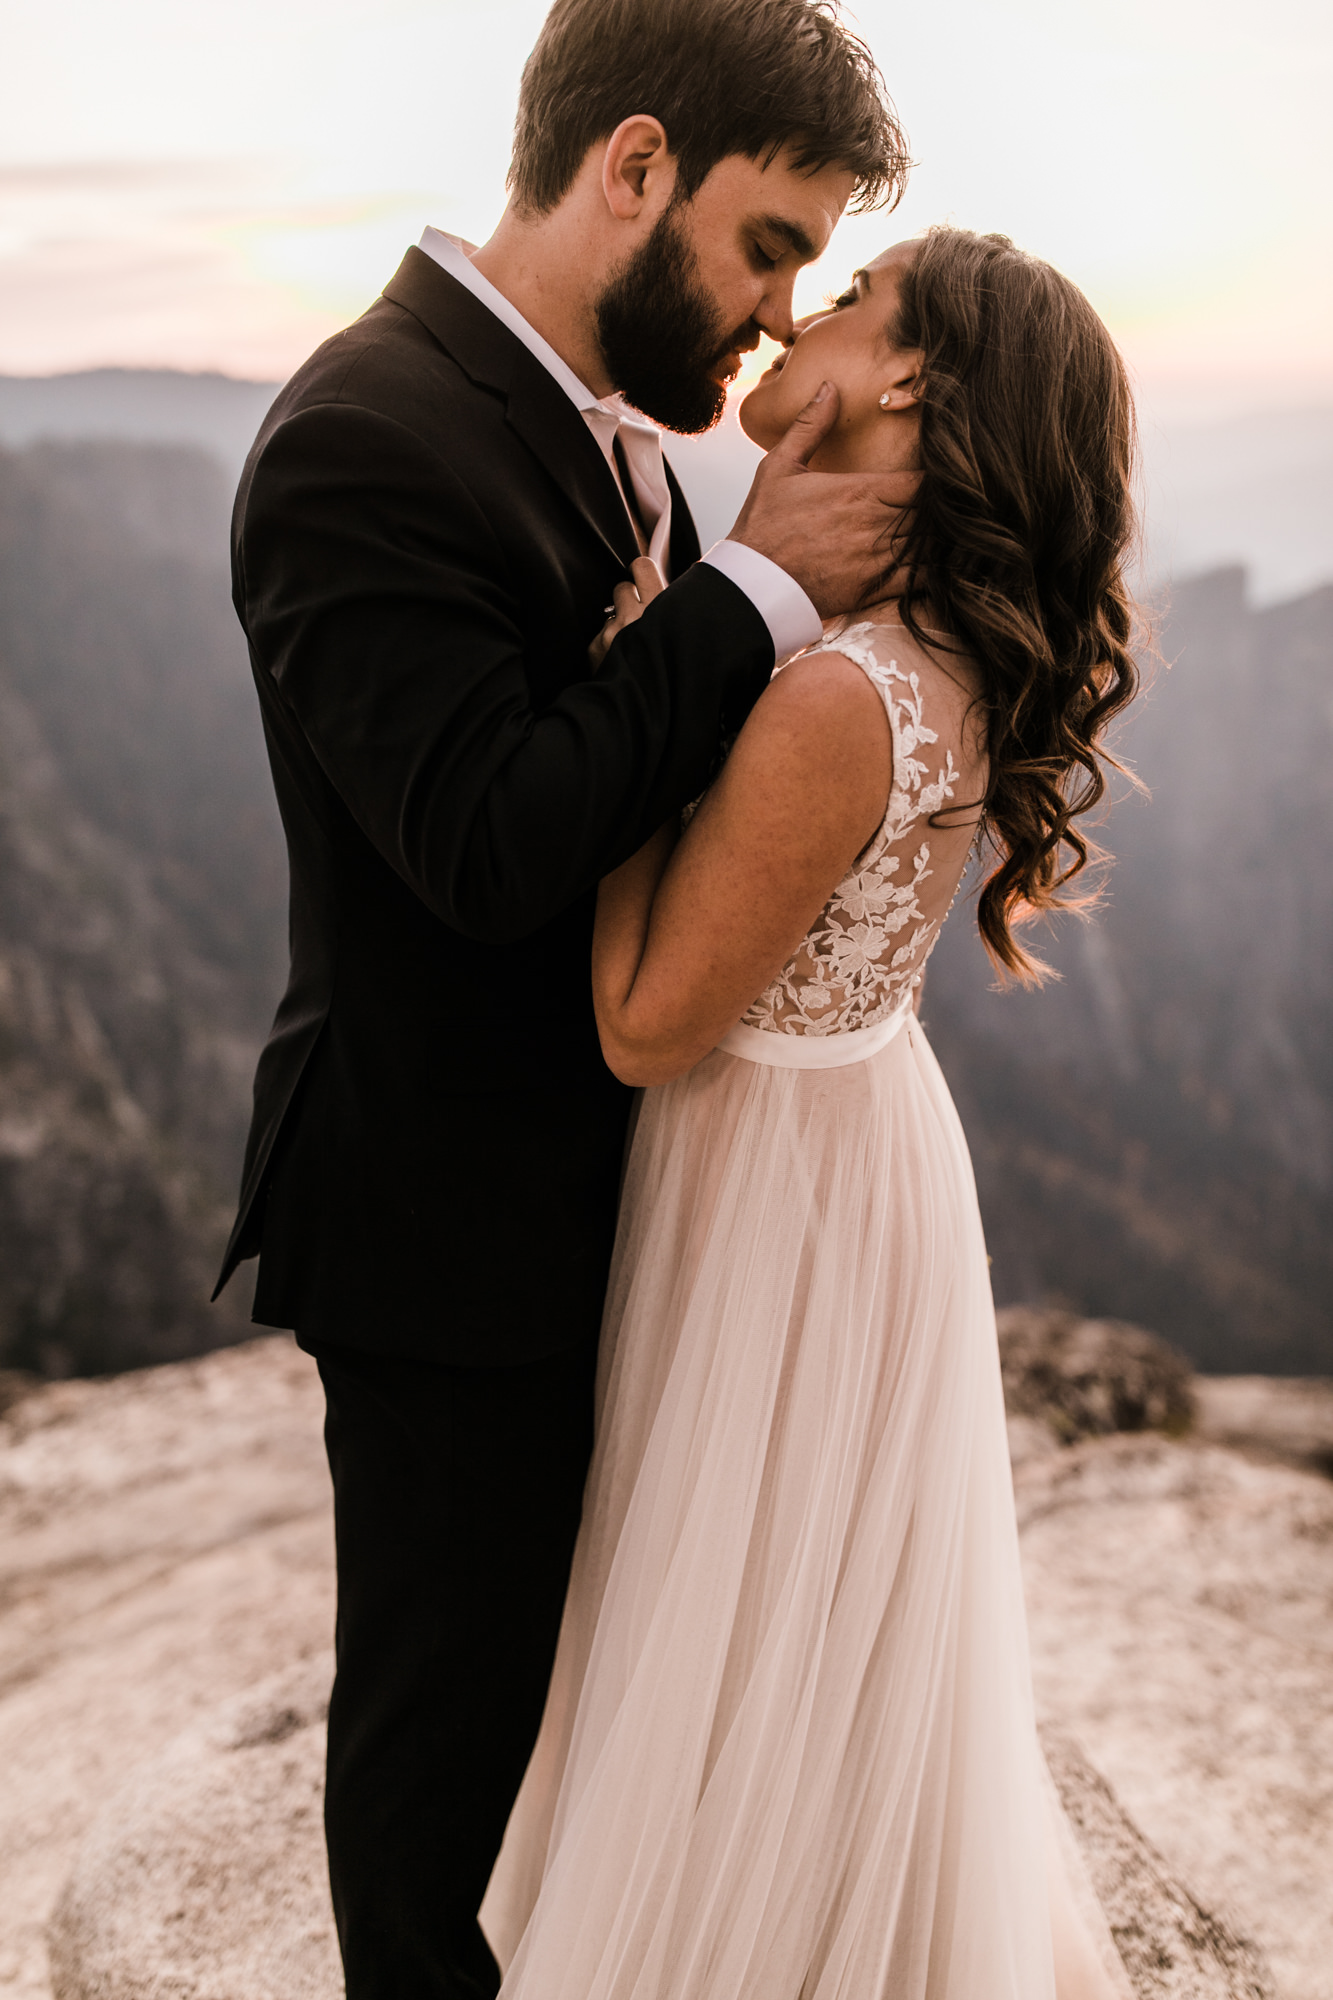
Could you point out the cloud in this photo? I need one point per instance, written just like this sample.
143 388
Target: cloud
188 264
1173 156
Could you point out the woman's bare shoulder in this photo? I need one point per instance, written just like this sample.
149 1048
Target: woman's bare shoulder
816 752
828 683
822 707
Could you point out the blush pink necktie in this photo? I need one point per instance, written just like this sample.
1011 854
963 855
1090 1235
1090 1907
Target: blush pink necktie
638 446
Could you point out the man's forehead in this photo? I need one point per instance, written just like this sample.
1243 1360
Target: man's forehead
801 209
800 206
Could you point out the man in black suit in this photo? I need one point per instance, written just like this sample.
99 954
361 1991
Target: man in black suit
436 515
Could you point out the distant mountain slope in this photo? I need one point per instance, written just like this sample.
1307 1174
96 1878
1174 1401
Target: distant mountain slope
1154 1134
144 405
1256 489
141 904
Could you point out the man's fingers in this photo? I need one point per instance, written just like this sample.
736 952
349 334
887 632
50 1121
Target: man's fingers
896 489
879 507
809 429
628 599
874 492
648 579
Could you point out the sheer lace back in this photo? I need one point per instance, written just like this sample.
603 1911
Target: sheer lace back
867 951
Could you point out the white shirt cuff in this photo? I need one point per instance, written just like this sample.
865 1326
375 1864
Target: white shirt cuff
784 607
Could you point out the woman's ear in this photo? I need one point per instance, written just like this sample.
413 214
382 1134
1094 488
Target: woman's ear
902 396
903 390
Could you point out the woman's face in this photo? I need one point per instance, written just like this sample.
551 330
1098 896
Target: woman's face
850 347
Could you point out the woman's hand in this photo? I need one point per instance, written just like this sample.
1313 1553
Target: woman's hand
630 599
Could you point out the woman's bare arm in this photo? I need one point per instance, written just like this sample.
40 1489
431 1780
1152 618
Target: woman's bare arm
685 939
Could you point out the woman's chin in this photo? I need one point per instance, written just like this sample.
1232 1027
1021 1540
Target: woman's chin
756 419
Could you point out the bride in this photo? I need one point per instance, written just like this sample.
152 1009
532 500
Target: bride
789 1750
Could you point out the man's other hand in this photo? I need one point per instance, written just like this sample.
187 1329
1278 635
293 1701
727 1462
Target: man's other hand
628 608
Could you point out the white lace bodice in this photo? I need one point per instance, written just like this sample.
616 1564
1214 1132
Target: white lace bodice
870 944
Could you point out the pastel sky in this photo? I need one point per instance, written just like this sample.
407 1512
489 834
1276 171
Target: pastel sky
194 184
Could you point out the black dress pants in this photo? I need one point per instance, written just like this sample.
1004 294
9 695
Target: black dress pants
456 1499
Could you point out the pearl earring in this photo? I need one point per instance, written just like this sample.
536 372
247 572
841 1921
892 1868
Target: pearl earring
884 400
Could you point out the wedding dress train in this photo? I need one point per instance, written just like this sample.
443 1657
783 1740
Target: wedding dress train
789 1750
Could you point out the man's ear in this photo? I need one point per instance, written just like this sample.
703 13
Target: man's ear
638 170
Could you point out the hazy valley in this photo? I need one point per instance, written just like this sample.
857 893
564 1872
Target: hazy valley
1153 1134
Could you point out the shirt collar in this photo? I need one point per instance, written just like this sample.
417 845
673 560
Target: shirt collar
449 254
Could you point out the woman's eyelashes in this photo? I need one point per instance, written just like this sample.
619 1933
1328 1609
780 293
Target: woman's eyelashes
847 298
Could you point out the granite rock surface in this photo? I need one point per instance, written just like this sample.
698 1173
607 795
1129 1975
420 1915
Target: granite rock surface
165 1545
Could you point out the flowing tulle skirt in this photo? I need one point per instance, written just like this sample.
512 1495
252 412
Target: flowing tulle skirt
789 1750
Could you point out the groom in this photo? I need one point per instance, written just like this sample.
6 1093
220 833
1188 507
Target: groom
429 530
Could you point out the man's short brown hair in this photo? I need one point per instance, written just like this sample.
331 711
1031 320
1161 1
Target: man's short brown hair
723 76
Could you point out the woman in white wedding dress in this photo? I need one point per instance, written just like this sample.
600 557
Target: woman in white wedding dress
789 1751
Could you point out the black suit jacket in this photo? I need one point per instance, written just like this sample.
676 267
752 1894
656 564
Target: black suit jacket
425 537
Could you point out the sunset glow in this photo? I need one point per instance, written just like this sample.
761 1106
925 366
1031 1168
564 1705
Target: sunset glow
219 187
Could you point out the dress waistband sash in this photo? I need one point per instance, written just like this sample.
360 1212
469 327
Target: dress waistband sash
763 1045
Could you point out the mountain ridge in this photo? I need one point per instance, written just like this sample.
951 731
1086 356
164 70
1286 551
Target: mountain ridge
141 899
1152 1134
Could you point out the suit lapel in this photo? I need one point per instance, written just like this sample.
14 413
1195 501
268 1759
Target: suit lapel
535 406
555 432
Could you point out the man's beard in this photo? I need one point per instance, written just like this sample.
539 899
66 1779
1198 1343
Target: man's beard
662 335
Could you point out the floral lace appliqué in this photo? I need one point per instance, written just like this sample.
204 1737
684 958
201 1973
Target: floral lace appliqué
871 942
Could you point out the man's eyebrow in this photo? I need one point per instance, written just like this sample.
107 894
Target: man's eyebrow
790 233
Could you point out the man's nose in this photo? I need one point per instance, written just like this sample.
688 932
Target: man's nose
774 316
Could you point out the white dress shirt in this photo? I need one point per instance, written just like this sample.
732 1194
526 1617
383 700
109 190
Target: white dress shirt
784 607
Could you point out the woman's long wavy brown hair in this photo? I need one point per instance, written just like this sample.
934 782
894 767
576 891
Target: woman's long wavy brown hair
1022 528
